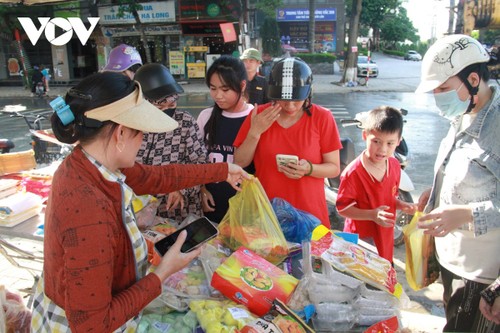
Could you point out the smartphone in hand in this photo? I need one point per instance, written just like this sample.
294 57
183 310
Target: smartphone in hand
283 160
198 232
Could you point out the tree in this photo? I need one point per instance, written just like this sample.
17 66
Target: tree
270 34
373 15
398 28
351 58
132 7
269 31
312 25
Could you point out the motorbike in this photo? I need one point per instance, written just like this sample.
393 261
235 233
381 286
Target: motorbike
347 155
40 90
46 147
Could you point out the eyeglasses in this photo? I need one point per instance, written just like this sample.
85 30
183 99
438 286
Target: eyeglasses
168 99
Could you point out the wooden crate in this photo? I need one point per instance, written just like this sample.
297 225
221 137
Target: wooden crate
16 162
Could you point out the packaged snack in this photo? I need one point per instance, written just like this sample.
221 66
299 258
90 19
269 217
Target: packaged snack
358 262
252 281
220 316
280 319
153 235
211 257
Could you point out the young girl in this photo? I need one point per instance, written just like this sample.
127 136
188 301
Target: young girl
219 125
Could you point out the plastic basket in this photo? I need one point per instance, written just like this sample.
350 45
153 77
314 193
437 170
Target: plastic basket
16 162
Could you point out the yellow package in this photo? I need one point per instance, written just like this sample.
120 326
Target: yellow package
422 267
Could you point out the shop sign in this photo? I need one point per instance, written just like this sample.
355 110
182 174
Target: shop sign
177 63
149 30
196 49
209 10
201 29
302 14
152 12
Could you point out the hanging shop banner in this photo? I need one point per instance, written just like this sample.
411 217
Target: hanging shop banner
210 10
177 63
151 12
302 14
149 30
228 32
201 29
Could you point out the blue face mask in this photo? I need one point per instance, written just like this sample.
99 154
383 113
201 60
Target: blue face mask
450 104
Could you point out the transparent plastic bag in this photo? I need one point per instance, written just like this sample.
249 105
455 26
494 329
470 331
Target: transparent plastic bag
252 223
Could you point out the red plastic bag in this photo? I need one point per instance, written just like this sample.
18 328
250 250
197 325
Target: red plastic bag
390 325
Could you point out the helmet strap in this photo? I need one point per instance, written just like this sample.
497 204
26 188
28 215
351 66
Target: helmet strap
308 104
472 91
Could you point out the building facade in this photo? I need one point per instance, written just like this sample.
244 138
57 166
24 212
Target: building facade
185 35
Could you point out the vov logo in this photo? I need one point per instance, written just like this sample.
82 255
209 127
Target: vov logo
49 26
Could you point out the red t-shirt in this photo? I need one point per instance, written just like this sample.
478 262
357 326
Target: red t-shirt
309 138
358 188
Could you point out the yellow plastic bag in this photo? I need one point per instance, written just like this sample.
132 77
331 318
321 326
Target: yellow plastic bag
251 222
422 267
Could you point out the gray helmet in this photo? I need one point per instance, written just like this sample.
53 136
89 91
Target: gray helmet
157 82
290 79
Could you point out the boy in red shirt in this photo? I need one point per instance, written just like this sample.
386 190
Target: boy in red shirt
369 185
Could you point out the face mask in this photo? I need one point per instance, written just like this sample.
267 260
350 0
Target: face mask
450 104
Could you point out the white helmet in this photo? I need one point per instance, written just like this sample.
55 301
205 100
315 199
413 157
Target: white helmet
447 57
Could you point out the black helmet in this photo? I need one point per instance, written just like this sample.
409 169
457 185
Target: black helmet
290 79
157 82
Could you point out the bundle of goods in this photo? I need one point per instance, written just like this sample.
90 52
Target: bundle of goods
8 187
220 316
357 261
17 162
19 207
178 322
250 280
251 222
279 319
341 302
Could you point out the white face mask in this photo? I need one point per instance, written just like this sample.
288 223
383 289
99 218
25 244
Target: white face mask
450 104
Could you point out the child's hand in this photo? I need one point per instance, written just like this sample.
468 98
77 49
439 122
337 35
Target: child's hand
383 218
407 207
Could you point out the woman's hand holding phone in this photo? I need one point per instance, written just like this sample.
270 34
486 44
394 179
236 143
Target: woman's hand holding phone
175 260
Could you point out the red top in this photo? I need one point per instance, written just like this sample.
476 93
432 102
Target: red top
89 266
309 138
359 188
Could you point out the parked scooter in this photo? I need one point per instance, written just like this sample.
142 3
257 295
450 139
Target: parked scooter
46 147
347 155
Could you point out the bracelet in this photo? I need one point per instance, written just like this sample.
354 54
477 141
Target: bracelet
310 171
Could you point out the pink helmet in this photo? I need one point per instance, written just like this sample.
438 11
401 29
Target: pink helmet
122 58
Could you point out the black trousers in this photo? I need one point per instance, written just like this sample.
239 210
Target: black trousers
461 302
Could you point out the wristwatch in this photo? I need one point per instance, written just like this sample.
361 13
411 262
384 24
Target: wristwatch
492 292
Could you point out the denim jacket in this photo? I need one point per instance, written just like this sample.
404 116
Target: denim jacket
467 172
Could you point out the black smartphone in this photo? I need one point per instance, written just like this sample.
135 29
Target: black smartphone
198 232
